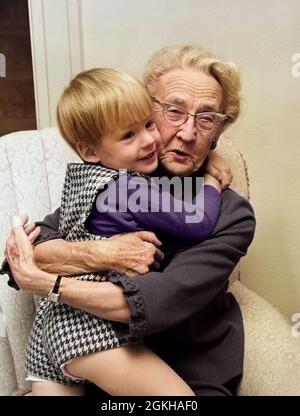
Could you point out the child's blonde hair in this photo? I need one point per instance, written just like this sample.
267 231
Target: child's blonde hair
99 101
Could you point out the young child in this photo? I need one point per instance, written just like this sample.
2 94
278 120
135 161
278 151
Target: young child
106 117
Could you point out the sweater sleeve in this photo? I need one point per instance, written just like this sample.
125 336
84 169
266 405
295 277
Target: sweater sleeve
49 228
194 221
194 276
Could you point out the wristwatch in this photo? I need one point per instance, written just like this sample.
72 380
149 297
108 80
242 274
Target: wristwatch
54 294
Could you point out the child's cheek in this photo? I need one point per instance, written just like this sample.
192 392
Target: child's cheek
157 137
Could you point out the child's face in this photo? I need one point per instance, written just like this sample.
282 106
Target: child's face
133 148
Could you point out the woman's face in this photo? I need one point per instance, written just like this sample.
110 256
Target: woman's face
183 149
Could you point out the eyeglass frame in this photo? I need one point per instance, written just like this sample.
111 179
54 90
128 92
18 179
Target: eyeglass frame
221 116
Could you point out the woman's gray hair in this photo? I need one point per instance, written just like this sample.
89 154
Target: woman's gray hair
193 56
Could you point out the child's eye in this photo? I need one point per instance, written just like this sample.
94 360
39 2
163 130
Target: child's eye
150 125
128 135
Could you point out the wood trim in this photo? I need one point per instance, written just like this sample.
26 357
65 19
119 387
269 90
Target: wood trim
57 52
39 62
75 36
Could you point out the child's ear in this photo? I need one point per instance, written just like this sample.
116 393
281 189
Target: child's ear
87 152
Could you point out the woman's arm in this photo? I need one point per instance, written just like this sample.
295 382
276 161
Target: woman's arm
194 276
124 254
131 254
20 256
156 301
55 255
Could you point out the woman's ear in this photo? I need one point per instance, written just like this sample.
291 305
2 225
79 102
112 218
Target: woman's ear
87 152
214 143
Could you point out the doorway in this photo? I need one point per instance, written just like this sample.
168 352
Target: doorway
17 103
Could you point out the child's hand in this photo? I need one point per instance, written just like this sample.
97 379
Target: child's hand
217 167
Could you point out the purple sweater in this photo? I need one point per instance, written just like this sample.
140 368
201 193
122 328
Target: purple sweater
156 210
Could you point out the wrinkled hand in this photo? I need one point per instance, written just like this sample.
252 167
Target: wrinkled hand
134 253
31 231
219 168
19 251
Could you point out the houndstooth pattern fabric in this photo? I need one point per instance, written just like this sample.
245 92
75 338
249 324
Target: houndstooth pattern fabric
82 184
60 332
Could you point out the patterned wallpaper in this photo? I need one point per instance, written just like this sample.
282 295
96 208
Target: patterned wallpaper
17 106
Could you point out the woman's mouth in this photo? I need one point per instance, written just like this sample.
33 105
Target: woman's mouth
179 156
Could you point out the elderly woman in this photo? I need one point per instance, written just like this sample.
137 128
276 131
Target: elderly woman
182 312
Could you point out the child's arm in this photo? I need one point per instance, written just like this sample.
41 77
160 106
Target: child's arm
195 221
218 168
152 209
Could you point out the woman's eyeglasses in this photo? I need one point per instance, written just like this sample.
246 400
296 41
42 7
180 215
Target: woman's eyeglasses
205 122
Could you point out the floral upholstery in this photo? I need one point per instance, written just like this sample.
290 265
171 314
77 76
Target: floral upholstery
272 354
32 169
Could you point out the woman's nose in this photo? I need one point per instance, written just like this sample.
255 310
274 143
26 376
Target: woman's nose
188 131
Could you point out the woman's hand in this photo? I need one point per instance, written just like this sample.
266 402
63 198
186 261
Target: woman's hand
19 252
30 229
212 181
219 168
134 253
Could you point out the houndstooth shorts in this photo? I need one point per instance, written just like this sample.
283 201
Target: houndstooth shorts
62 333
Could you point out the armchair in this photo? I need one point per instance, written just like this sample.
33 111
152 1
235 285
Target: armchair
32 165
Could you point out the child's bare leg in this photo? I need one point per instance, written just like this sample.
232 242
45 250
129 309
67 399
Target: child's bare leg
132 370
49 388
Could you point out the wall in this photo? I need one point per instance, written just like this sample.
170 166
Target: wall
259 36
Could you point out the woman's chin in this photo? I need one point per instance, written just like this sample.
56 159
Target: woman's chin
177 168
